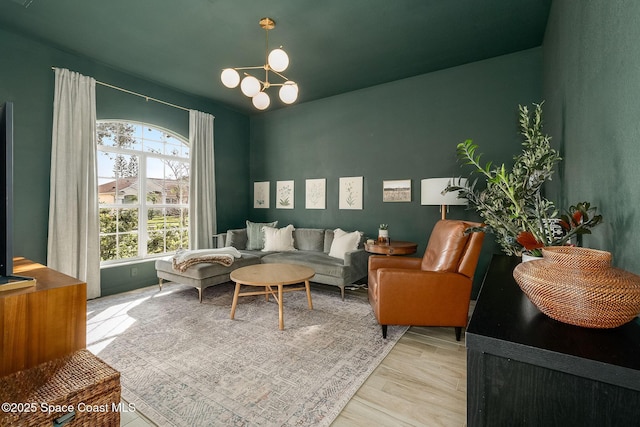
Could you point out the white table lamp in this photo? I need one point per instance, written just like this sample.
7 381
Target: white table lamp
431 193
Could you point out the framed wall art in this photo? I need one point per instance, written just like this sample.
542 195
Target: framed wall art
351 192
398 190
261 195
315 193
284 194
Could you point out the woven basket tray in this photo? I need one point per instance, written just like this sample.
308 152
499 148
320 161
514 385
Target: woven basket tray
80 380
578 286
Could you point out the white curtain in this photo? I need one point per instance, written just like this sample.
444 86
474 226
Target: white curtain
202 192
74 246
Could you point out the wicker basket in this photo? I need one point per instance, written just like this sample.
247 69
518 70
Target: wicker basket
578 286
79 384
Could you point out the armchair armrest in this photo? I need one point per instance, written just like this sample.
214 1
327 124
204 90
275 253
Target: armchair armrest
394 280
381 261
437 298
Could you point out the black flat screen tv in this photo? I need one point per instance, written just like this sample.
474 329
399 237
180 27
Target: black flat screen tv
6 190
7 278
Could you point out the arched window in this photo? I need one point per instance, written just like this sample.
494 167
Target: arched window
143 191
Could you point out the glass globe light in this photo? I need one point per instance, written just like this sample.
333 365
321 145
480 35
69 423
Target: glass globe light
289 92
230 77
261 101
250 86
278 60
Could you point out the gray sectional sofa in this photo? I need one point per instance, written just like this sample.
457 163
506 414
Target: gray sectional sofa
312 249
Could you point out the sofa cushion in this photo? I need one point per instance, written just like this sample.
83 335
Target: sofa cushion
278 239
255 234
204 270
328 240
237 238
344 242
309 239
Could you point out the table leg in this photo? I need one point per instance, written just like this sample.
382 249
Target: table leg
306 285
280 308
235 300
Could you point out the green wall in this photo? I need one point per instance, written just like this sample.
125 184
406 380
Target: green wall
27 80
591 79
406 129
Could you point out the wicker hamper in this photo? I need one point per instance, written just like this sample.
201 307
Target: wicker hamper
51 392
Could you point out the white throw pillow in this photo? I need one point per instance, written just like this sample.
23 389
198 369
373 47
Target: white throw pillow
344 242
278 239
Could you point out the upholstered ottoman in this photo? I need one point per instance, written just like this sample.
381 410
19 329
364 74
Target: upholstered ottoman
202 275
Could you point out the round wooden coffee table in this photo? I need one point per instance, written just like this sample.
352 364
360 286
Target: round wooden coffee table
270 276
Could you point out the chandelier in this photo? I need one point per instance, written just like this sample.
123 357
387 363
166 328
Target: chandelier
276 62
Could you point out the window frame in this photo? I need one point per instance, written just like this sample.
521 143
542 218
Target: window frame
142 205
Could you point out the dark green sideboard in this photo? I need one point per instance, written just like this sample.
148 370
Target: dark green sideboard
526 369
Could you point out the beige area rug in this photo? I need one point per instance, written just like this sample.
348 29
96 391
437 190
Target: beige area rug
185 363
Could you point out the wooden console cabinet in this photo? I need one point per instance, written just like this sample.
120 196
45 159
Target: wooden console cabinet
42 322
526 369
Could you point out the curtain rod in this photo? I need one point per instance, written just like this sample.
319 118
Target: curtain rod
148 98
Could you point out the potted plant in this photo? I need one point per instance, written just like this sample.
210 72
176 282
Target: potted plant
512 204
383 234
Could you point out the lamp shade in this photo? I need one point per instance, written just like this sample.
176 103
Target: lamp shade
289 92
431 191
261 101
230 78
278 60
250 86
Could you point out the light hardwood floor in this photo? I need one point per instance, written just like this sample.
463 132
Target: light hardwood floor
421 382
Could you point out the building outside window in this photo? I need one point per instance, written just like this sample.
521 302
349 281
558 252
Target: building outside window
143 191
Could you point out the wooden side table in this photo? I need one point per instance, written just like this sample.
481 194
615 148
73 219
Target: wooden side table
396 247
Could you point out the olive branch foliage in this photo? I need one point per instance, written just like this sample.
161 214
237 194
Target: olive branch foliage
512 201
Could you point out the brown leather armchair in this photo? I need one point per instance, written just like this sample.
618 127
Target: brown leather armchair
431 291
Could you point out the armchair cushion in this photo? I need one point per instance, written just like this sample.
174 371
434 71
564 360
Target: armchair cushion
446 246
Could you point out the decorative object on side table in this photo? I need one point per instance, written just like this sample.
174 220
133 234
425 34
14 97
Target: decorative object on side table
512 204
580 287
383 234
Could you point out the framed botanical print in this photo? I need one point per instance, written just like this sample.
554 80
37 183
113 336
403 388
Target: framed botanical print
315 193
351 193
261 195
284 194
